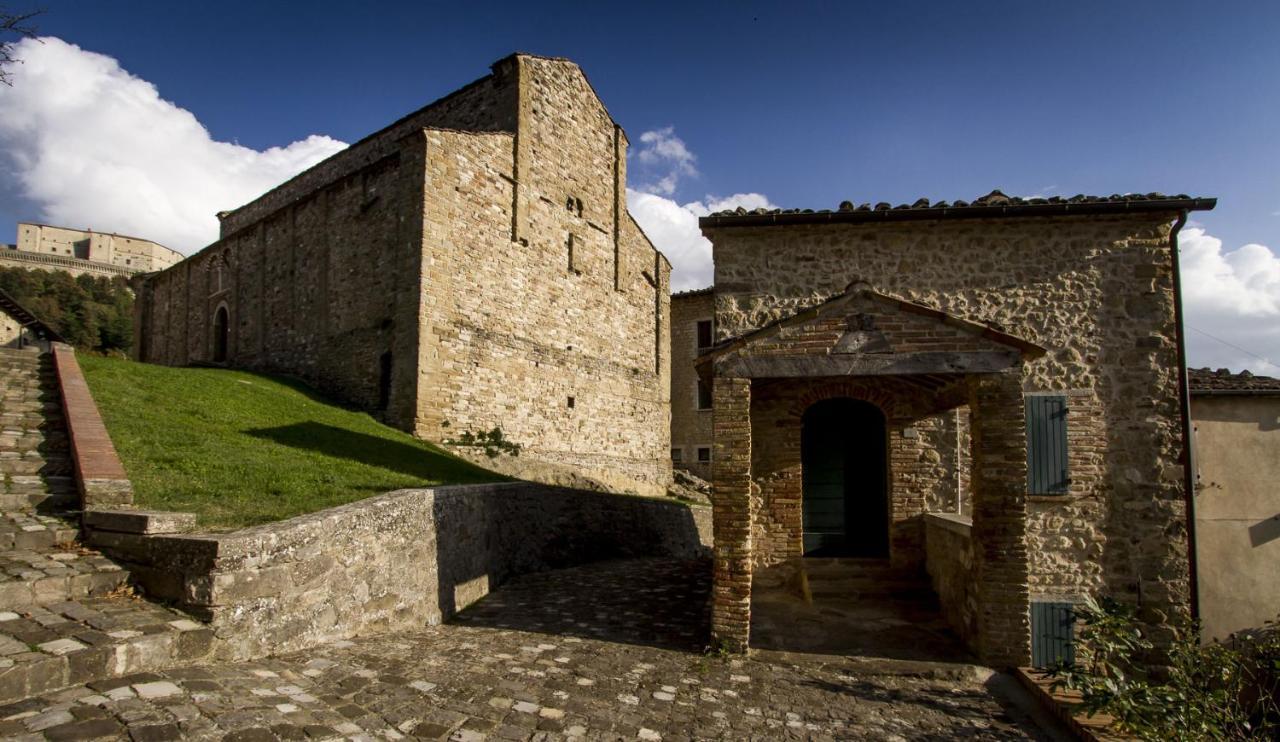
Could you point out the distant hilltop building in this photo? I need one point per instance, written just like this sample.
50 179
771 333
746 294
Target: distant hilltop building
78 251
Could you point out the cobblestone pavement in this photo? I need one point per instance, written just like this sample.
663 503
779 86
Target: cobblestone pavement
604 651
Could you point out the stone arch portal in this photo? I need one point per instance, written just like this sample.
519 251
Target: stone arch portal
221 334
844 462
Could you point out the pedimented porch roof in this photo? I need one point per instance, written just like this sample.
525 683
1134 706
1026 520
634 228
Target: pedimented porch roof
863 332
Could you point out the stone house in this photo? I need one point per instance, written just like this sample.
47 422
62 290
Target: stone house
990 389
1237 504
692 317
471 266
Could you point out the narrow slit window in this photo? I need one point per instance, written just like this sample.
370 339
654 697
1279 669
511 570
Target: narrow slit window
704 395
704 334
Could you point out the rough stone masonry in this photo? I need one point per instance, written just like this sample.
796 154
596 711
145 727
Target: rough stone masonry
471 266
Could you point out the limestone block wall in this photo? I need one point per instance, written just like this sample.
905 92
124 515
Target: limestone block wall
1096 292
690 427
453 276
321 290
395 561
544 308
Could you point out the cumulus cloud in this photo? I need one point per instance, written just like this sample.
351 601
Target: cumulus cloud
86 144
664 160
674 230
1233 296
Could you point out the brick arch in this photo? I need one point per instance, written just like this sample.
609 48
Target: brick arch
890 403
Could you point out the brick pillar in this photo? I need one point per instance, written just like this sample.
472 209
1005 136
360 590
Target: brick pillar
1000 518
731 511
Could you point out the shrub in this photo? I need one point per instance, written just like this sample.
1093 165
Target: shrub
1224 691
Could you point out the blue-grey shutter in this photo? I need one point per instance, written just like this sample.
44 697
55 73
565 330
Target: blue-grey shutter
1047 445
1052 629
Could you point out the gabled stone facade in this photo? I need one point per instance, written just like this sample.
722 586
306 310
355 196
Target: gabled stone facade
471 266
955 322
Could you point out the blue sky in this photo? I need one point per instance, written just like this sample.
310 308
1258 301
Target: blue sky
802 104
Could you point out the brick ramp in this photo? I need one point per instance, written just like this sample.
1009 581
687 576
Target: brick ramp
67 615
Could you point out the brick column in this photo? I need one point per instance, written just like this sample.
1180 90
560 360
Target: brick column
1000 518
731 511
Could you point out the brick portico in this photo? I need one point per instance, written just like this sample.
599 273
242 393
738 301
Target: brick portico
912 363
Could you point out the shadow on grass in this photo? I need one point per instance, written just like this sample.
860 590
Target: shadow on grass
418 461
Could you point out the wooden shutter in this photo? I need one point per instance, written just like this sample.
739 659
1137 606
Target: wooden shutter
1047 445
1052 629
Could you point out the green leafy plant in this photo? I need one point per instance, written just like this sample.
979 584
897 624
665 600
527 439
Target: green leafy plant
90 312
1225 691
493 442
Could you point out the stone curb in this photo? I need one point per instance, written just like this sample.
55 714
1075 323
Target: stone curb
1084 727
100 477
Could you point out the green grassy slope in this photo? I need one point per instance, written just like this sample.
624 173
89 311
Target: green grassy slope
241 448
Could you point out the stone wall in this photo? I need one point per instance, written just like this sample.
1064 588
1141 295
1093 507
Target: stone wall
949 562
1096 292
690 427
453 276
395 561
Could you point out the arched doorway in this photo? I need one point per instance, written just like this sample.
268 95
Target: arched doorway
846 501
221 332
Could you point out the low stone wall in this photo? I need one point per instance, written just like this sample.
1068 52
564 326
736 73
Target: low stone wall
395 561
949 562
100 477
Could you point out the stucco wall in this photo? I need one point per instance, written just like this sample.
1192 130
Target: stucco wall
1096 292
394 561
1237 511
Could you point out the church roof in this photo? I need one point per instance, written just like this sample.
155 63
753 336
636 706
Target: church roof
994 205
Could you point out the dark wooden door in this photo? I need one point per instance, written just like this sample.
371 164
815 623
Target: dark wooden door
845 507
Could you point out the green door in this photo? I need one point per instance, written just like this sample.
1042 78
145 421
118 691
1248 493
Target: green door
845 507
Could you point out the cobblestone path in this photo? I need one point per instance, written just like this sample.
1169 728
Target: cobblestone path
604 651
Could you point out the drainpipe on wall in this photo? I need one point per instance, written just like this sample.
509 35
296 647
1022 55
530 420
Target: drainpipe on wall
1184 397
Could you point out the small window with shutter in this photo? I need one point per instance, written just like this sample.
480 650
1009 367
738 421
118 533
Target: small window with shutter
1047 472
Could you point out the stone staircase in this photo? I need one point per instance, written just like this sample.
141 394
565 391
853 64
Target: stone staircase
68 614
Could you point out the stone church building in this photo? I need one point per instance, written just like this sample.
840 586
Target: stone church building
471 266
988 390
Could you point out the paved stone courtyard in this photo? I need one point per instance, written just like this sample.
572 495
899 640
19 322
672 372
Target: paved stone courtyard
606 651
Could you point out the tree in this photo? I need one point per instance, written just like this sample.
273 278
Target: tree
13 25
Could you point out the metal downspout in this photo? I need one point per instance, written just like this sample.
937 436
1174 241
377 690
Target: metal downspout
1184 397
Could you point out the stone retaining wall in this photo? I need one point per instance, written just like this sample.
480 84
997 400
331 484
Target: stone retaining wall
395 561
100 477
949 562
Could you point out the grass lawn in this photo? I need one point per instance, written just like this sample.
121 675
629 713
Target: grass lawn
241 448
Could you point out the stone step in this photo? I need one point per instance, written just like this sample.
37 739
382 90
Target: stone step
41 561
92 641
41 502
31 462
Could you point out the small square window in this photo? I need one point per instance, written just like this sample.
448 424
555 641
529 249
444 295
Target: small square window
571 402
677 455
704 454
704 333
704 395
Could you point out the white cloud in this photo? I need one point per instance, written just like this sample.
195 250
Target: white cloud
674 230
89 145
664 160
1234 296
